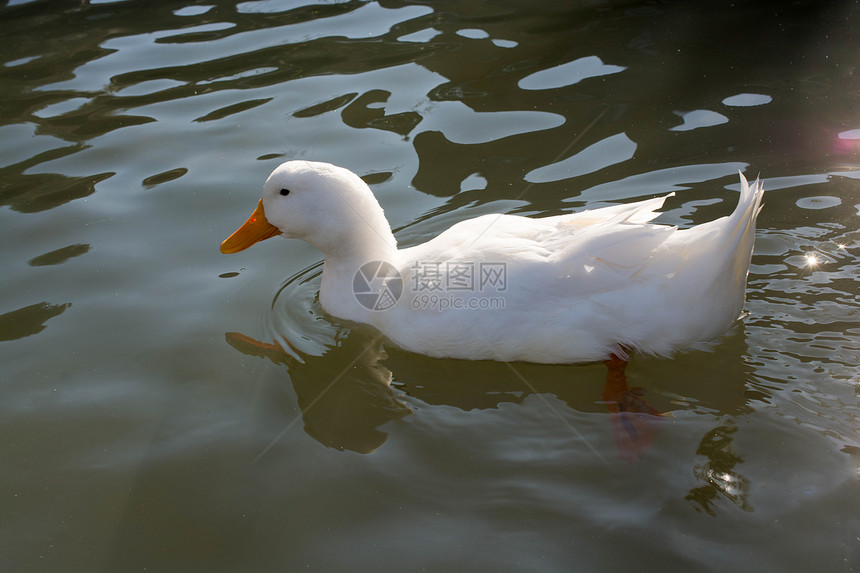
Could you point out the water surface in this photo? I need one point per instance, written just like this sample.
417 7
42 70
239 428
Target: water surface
165 407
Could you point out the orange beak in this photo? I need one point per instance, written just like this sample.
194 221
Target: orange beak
257 228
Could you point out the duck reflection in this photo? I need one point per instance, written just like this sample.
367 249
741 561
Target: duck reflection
346 393
343 401
719 473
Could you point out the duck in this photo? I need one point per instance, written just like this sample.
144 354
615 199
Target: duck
596 285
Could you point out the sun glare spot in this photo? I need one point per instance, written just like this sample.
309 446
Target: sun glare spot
812 260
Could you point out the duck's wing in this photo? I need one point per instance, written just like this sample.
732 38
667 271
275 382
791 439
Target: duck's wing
638 212
565 255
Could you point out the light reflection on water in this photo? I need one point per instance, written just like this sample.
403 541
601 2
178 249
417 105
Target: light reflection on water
170 408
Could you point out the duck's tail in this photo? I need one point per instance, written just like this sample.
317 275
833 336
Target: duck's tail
741 227
706 292
730 263
749 204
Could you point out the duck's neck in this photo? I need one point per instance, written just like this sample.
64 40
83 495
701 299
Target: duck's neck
353 255
342 263
369 240
357 232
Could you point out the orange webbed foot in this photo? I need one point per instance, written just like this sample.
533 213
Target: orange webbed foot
634 421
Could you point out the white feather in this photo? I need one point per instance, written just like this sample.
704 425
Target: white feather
578 287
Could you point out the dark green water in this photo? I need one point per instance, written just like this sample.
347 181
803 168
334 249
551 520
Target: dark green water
142 428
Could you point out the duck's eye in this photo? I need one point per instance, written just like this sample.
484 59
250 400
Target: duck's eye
285 192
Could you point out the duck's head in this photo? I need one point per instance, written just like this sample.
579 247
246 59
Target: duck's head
328 206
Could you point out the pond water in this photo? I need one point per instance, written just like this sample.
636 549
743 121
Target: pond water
169 408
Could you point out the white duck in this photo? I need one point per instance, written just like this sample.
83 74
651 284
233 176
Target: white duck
587 286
